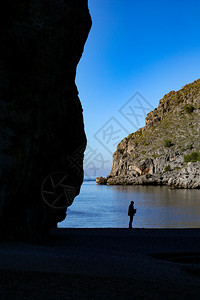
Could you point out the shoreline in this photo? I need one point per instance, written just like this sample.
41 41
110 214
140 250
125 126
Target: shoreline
104 263
169 179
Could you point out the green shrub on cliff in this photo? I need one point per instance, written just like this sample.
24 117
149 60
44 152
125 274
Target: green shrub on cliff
167 143
193 157
189 108
190 146
167 169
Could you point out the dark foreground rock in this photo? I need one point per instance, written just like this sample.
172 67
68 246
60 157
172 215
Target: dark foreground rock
41 128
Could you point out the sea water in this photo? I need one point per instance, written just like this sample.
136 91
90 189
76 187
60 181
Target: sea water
102 206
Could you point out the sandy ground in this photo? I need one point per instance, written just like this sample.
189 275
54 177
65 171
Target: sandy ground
104 264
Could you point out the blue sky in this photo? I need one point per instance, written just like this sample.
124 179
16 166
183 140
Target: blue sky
136 52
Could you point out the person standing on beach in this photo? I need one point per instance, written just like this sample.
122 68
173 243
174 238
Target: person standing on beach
131 213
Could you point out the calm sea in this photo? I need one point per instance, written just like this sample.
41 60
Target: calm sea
100 206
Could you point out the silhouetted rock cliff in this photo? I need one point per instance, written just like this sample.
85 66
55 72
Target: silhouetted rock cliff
167 150
42 136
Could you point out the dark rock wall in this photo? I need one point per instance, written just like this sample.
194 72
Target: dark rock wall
41 123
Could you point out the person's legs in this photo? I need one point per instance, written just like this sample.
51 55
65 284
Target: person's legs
130 222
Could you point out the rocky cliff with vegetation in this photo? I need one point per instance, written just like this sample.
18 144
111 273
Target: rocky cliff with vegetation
167 150
42 136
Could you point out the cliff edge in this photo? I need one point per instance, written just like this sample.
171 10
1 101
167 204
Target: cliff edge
167 150
42 137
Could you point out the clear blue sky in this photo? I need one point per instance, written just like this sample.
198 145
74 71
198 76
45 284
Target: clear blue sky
150 47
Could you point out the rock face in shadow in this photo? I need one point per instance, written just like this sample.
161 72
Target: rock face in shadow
42 138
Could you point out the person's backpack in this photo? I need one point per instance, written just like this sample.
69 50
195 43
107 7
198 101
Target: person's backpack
134 211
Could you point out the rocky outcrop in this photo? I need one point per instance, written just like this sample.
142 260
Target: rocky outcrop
101 180
167 150
42 136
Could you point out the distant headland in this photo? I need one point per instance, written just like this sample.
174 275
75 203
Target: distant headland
166 151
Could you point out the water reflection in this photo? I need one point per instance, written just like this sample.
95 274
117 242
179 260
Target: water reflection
157 207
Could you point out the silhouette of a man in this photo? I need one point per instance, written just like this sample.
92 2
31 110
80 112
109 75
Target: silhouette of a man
131 213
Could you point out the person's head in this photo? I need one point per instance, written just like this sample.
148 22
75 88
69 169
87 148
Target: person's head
132 202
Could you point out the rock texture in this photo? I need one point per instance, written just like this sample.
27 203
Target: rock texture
41 124
167 150
101 180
